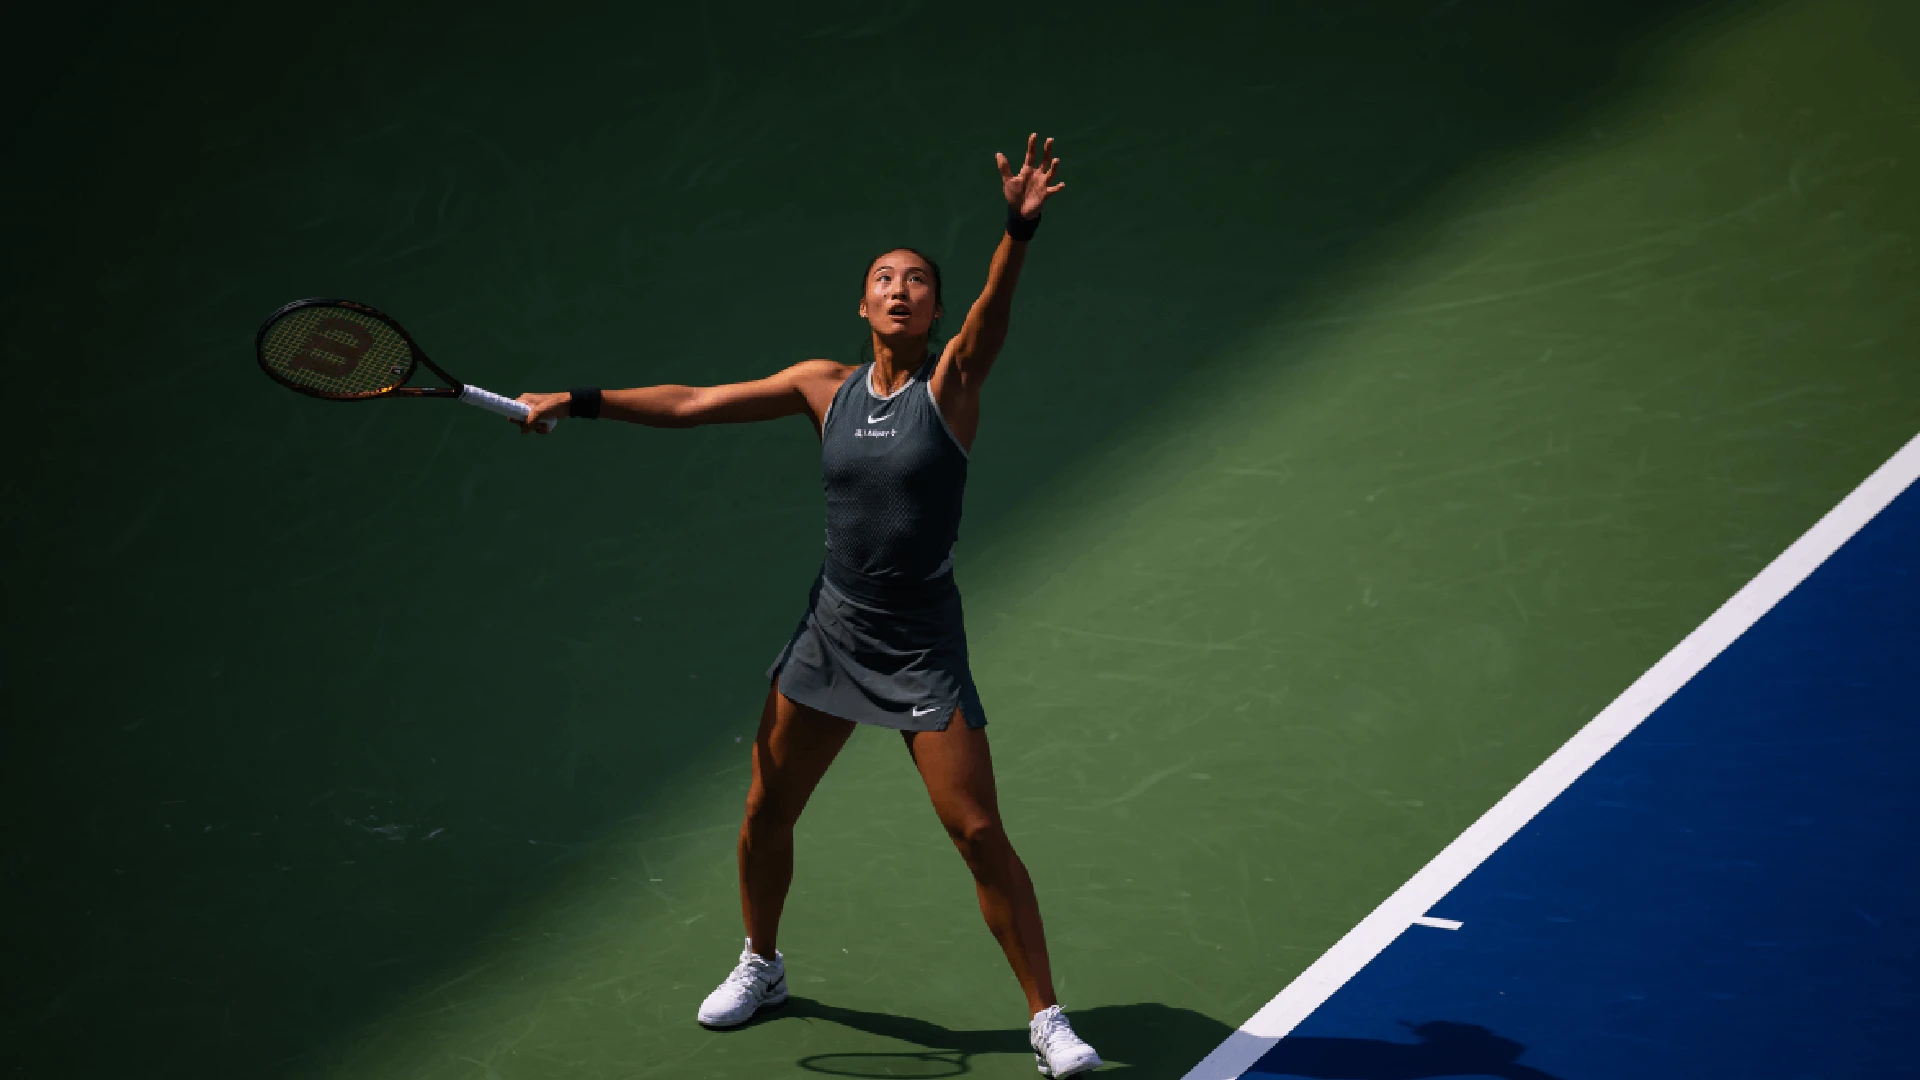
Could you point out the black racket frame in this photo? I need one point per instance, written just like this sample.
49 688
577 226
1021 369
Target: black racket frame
417 355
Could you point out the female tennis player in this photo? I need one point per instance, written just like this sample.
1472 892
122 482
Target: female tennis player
882 641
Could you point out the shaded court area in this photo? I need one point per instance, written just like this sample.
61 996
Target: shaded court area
1394 382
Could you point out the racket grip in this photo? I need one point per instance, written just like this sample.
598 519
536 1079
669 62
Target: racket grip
500 406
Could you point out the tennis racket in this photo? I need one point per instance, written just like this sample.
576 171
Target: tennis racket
342 351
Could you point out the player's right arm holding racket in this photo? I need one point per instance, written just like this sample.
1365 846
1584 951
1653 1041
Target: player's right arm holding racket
806 389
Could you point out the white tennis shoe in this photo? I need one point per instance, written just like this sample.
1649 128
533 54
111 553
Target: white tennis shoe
1056 1049
755 981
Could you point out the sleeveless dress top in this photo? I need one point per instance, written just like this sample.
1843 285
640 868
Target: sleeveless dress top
883 640
894 476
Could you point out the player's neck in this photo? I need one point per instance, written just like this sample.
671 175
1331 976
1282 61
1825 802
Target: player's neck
895 362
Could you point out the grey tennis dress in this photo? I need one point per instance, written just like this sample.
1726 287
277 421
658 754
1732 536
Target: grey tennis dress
883 640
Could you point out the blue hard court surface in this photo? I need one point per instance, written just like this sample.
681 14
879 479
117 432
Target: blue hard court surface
1731 892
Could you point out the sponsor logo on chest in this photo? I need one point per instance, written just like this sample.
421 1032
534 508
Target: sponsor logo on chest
876 432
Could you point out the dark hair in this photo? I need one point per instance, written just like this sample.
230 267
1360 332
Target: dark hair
931 265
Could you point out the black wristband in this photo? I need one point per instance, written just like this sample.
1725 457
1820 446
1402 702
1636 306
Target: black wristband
583 402
1020 228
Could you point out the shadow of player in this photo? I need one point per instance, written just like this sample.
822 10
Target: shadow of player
1145 1039
1148 1039
1445 1049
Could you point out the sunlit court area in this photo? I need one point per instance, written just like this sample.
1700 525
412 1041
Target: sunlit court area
1440 551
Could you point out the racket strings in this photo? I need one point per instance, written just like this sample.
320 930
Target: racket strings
336 352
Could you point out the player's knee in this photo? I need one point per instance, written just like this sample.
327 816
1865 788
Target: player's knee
982 841
766 818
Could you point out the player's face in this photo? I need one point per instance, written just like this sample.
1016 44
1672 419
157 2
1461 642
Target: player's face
899 300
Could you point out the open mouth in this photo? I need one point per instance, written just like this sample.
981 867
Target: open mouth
900 311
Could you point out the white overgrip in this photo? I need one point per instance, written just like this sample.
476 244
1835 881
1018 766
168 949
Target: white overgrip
500 406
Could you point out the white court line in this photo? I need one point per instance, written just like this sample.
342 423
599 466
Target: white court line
1438 924
1411 901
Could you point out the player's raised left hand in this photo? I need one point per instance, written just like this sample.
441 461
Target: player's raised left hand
1027 189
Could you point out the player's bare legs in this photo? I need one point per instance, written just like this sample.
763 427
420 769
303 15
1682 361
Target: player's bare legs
958 770
791 752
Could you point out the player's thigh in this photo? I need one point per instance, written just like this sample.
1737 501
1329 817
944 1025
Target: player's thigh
791 752
957 767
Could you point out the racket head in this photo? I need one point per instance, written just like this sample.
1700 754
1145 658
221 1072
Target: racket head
335 349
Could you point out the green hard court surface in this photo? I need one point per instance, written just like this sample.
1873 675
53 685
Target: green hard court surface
1393 383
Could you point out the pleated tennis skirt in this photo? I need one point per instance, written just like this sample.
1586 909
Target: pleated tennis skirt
878 654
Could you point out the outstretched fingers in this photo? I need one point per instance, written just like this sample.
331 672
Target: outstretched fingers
1036 178
1038 158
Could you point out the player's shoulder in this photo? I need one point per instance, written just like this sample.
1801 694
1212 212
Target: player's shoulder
819 372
